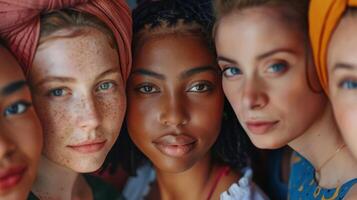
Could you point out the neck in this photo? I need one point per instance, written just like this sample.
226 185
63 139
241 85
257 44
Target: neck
56 182
319 143
190 184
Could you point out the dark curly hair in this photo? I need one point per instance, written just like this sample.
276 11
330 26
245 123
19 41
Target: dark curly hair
186 17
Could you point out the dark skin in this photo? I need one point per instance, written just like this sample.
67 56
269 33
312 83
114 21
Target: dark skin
175 105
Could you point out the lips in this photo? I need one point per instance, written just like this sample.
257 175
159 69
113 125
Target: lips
175 145
89 146
10 177
261 127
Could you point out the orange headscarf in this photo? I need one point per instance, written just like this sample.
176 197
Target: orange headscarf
20 25
324 15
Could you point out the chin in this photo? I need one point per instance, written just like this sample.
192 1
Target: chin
268 143
171 166
87 166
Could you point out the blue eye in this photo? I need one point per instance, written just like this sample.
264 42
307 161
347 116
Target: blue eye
105 86
17 108
277 67
231 71
200 87
58 92
349 85
148 89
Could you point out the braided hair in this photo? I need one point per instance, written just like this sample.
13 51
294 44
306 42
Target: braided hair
187 17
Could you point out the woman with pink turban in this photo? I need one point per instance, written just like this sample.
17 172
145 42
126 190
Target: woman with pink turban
76 56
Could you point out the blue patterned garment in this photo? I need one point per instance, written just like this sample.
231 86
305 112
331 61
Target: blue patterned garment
303 186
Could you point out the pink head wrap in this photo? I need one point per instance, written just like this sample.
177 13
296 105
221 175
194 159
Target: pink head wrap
20 25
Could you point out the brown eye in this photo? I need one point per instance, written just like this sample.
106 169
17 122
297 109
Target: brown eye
200 87
148 89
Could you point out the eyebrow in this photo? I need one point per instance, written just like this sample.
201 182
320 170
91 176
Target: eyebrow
343 66
13 87
275 51
146 72
197 70
222 58
259 57
108 72
55 79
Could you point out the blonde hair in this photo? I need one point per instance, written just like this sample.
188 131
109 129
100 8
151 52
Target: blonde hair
75 20
292 10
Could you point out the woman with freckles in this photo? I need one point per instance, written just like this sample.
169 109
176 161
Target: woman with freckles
77 62
270 80
176 105
20 131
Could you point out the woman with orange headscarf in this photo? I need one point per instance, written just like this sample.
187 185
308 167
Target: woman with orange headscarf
76 55
333 28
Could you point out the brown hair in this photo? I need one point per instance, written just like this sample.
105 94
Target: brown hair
75 21
292 10
295 12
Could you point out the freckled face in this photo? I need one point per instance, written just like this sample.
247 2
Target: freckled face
78 93
264 65
175 101
342 73
20 132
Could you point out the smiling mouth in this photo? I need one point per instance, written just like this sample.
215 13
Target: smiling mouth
10 177
261 127
175 145
88 146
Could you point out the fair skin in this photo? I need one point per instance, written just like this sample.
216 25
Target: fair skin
174 114
20 132
342 73
79 95
269 80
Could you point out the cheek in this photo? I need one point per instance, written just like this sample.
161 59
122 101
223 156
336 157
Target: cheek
231 91
206 117
345 110
55 117
30 138
142 118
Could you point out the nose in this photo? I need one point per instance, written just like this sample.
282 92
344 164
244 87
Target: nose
173 112
254 97
88 115
7 147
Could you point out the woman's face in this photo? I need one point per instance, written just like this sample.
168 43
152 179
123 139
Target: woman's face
78 93
175 101
264 63
20 131
342 73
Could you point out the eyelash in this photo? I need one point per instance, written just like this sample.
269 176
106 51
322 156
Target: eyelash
19 105
282 64
141 88
227 72
207 86
111 84
351 84
51 92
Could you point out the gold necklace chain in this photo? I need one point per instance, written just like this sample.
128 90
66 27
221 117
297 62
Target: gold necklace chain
318 170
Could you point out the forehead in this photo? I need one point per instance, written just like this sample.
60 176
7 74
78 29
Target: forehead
9 68
89 53
173 53
256 29
343 42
